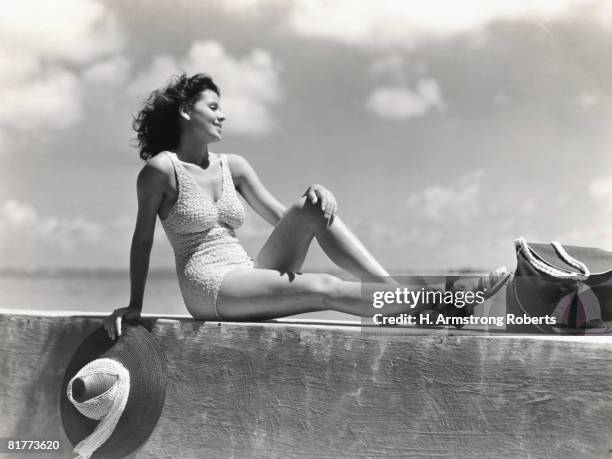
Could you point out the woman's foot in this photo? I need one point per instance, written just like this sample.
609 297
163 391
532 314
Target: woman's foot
489 285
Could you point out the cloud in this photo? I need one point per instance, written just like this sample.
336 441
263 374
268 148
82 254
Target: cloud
21 222
43 46
16 65
16 215
112 71
393 66
158 73
407 23
527 207
588 99
399 102
602 10
69 30
596 231
401 23
601 188
393 235
593 235
444 203
250 85
51 101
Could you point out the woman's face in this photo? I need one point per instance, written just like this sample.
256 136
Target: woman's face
207 117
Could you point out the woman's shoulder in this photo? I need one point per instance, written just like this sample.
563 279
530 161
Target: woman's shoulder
237 163
157 168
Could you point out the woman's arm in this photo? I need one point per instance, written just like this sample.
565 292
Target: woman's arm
151 185
261 200
253 191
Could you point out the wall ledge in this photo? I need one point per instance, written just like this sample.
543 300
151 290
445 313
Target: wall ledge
290 388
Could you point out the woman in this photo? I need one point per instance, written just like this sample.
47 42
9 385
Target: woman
193 191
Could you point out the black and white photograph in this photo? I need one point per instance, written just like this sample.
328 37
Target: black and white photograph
306 228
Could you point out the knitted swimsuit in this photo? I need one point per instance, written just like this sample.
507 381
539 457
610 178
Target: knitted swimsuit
201 232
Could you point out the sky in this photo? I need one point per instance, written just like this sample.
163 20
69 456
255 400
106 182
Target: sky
445 129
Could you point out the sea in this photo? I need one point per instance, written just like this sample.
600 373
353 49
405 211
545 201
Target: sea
101 291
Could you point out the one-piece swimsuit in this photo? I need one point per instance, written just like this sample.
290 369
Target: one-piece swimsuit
202 234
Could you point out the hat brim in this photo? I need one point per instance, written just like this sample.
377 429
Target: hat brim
139 352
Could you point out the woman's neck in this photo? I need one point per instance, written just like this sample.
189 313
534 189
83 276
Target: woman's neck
193 152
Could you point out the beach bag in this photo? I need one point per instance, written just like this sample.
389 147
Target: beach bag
571 284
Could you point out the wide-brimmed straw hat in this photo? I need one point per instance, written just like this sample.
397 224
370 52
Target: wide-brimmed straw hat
113 393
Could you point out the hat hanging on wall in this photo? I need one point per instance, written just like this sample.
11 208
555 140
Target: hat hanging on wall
113 393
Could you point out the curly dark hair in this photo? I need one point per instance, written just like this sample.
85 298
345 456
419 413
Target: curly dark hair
156 124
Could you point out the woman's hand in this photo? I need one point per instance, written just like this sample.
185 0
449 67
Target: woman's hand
112 323
329 206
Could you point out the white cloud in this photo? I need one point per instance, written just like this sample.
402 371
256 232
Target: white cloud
593 235
399 102
16 215
15 65
597 233
392 235
602 10
405 23
112 71
601 188
528 207
249 85
390 66
22 222
68 30
158 73
588 99
51 101
438 203
42 47
249 8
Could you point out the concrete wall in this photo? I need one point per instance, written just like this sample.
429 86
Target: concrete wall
287 389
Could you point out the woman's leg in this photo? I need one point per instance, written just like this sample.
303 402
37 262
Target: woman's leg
261 294
276 290
286 248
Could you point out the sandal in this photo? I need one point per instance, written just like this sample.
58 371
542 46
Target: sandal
489 285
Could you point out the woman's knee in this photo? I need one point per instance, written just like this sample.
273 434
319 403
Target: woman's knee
325 286
310 213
